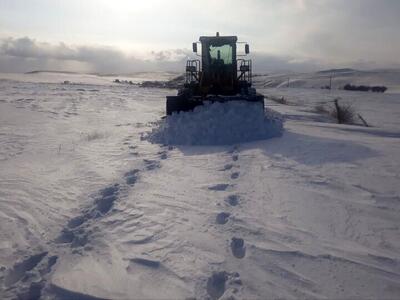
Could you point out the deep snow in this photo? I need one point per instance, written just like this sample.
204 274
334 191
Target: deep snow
90 209
218 124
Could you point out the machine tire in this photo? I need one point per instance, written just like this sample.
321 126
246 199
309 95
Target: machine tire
261 105
173 104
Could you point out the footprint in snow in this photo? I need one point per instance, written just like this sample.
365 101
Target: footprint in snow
232 200
216 284
238 248
75 222
76 235
76 238
235 175
66 236
106 199
222 218
227 167
151 164
20 269
131 176
50 263
163 154
223 285
235 157
219 187
28 270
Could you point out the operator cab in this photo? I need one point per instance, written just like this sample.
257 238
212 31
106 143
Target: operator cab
217 73
218 63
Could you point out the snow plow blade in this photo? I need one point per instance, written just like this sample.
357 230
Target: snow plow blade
180 103
176 104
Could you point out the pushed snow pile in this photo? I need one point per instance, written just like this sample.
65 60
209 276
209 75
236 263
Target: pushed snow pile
218 124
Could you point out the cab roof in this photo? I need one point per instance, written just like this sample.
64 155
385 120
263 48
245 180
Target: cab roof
218 39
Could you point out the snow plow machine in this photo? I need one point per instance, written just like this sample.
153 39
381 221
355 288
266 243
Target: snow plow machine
219 77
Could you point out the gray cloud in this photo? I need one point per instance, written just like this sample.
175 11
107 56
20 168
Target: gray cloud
266 63
171 55
26 54
340 31
299 34
22 54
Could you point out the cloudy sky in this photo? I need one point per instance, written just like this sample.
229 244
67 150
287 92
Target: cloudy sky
134 35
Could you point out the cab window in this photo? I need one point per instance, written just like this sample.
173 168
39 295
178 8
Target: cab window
221 54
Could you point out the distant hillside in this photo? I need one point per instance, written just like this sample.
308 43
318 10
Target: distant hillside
50 71
389 78
330 71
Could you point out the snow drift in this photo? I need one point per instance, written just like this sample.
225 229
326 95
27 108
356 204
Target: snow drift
218 124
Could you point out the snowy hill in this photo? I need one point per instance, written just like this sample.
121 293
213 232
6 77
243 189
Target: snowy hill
81 78
92 209
340 77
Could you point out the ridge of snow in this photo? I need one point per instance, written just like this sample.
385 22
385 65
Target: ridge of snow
218 124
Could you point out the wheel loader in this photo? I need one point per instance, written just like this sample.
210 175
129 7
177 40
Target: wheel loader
220 76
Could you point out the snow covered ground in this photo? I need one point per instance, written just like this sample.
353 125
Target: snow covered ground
338 78
90 209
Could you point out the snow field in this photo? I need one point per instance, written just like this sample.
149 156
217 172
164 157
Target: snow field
311 213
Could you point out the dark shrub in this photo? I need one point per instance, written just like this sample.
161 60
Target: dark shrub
379 89
343 113
365 88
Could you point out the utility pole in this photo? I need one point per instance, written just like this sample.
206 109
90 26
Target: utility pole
330 81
